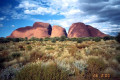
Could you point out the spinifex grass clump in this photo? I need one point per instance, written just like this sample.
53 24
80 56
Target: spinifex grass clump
41 72
95 66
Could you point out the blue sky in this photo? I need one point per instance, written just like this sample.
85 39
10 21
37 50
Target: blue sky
101 14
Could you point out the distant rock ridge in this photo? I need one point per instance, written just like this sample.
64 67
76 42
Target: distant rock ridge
42 30
81 30
39 30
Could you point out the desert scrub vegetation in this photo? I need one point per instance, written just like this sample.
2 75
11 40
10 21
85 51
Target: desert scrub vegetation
95 66
37 71
80 57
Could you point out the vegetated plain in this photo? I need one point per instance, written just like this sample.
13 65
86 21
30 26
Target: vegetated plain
59 59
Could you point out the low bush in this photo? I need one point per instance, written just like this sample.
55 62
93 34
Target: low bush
33 39
62 38
118 38
38 72
47 39
16 55
41 39
53 40
29 47
79 41
96 39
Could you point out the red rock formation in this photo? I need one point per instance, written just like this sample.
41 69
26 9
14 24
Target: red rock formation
58 31
78 30
95 32
82 30
42 30
39 30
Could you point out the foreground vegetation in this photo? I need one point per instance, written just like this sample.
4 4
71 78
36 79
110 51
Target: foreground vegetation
60 58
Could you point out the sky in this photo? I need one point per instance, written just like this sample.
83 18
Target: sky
101 14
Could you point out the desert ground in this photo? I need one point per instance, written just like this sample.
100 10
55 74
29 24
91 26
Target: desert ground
52 59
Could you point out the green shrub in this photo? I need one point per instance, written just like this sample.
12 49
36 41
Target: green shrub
73 39
79 41
62 38
53 40
118 38
41 39
57 38
47 39
29 47
96 39
38 72
16 55
34 39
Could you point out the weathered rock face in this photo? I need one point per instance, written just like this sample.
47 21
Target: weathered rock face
95 32
82 30
39 30
78 30
58 31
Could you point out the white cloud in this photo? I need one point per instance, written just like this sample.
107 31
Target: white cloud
27 5
2 18
106 27
13 26
72 10
40 10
